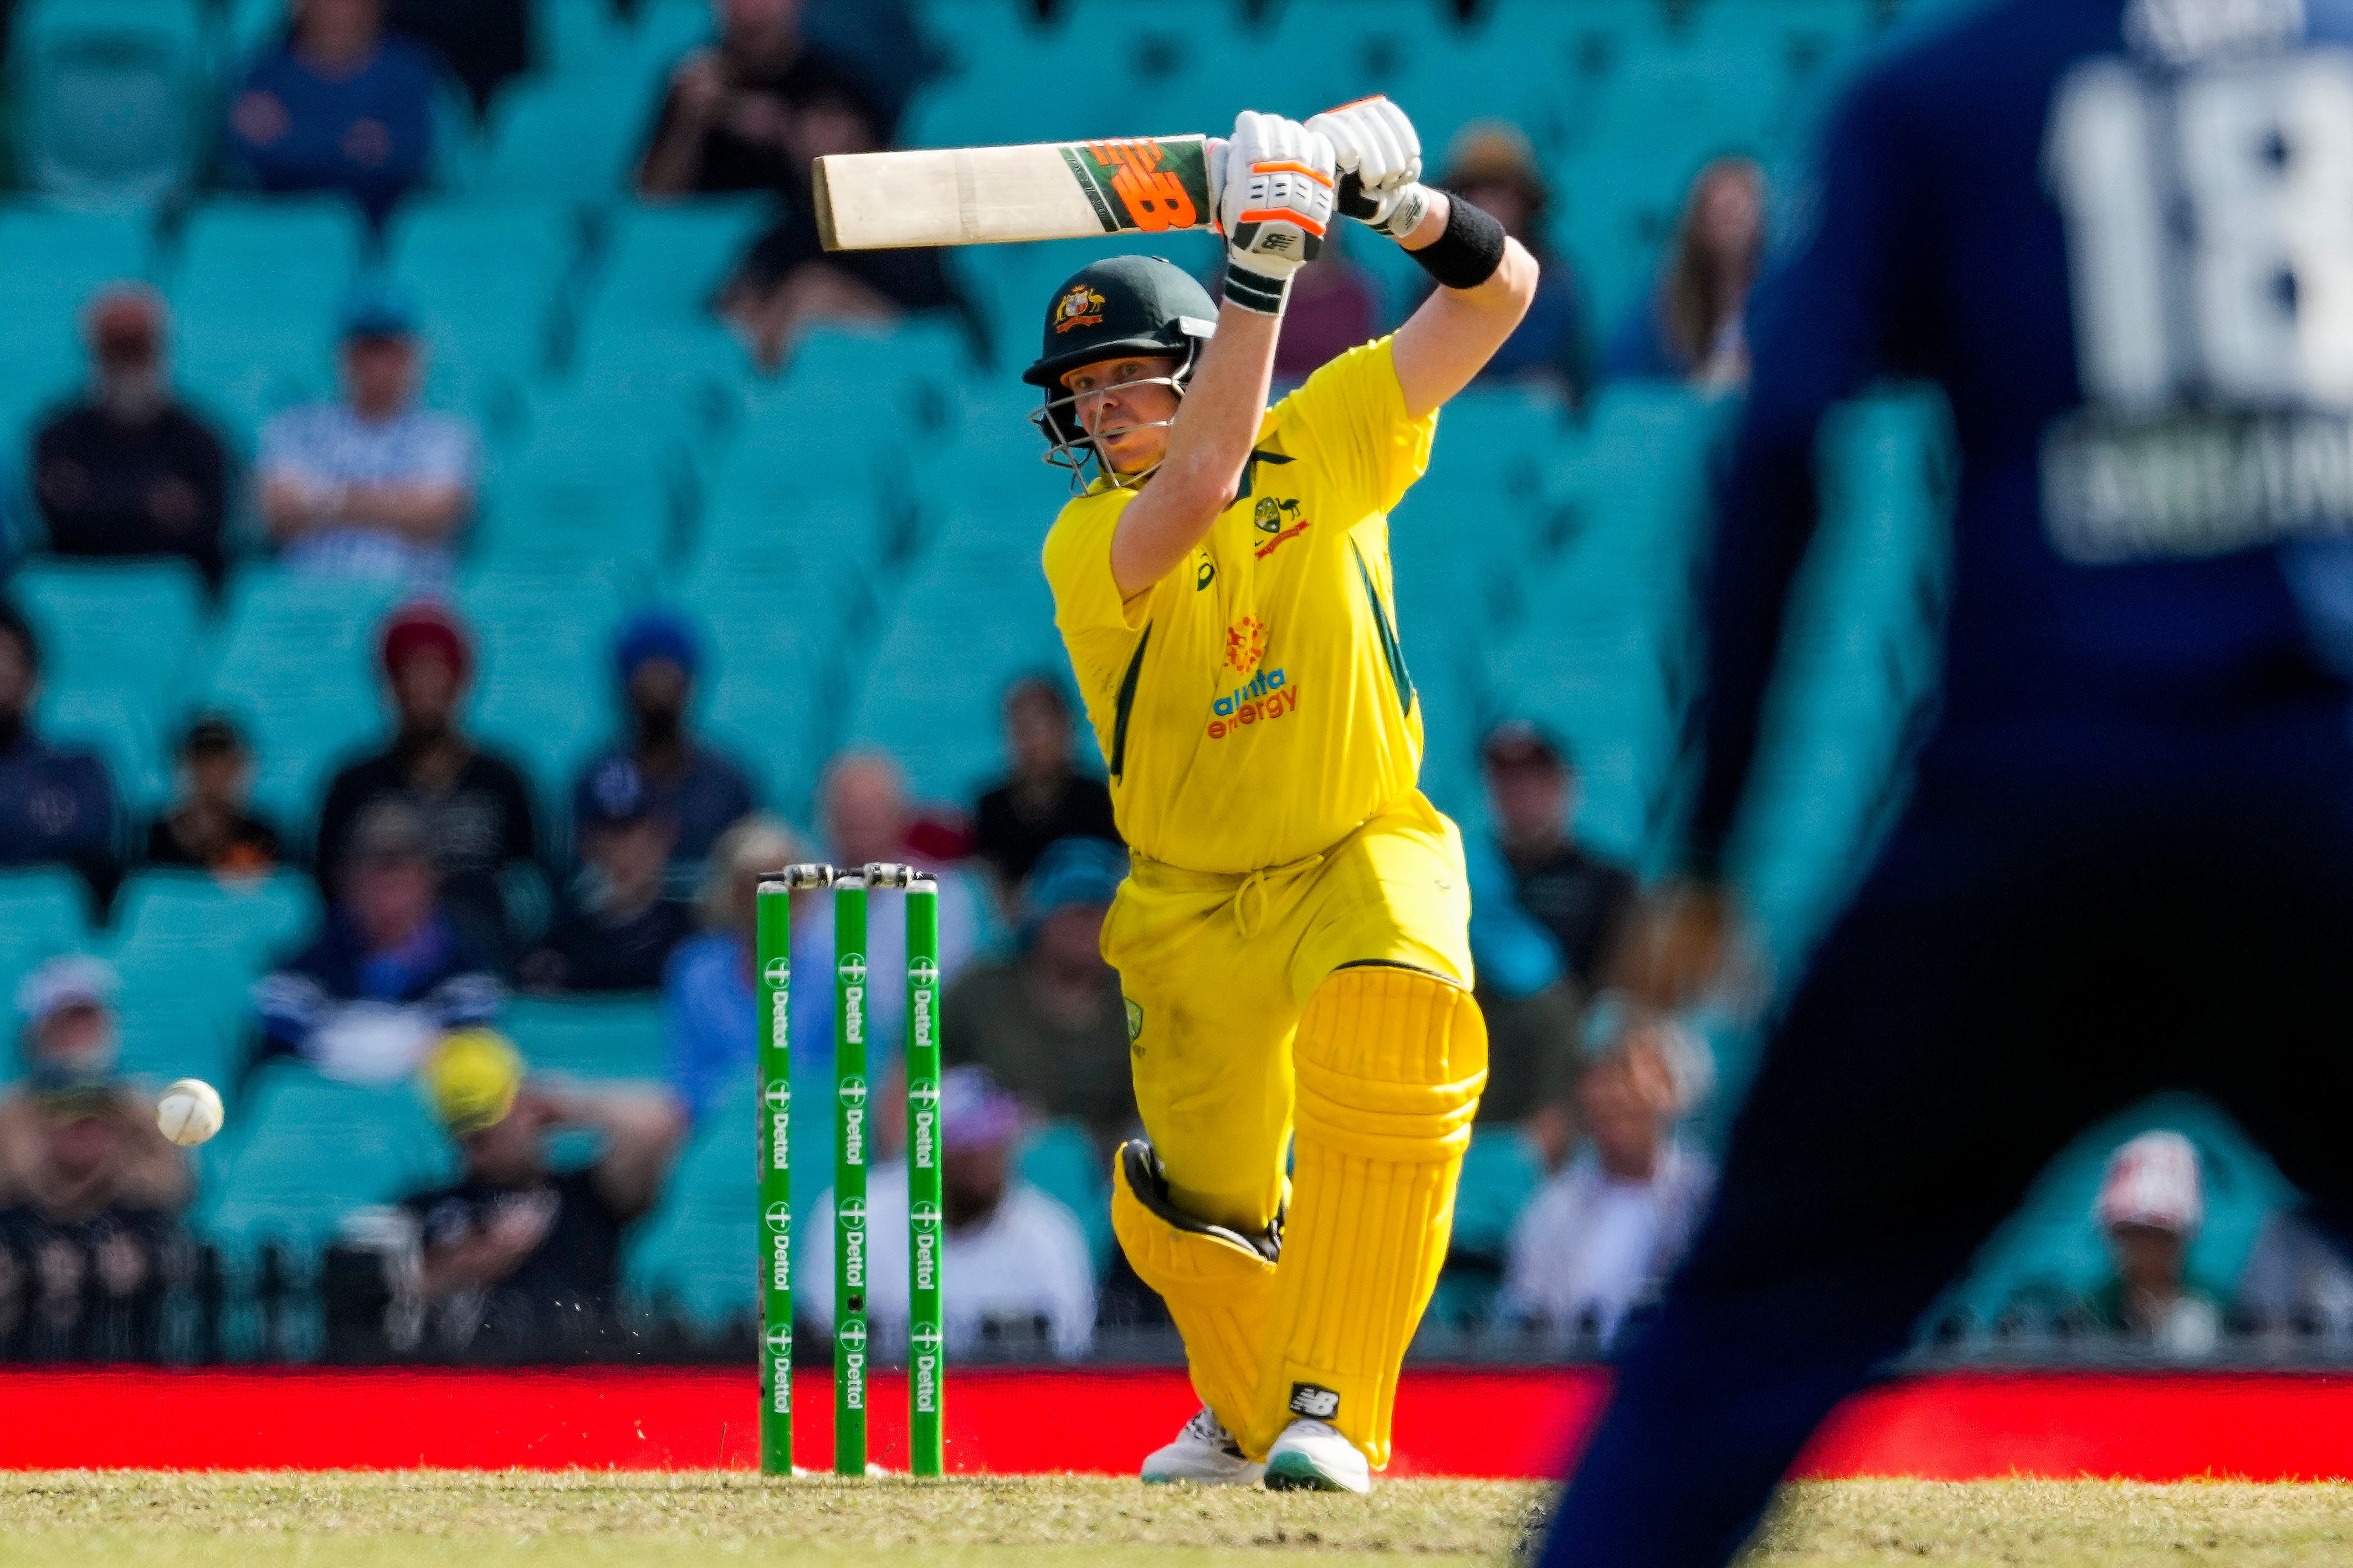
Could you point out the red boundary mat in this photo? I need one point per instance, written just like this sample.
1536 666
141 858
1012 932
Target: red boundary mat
1463 1422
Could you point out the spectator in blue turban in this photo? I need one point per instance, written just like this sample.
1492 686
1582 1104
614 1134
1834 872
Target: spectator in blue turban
700 790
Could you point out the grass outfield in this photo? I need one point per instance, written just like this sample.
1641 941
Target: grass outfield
445 1520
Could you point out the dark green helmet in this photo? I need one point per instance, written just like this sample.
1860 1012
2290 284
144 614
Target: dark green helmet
1124 305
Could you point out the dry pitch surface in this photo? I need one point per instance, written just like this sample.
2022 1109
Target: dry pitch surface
578 1520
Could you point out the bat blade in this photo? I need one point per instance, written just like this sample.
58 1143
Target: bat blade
989 195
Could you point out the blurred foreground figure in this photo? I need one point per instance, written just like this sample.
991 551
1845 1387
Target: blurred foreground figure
2127 861
2151 1207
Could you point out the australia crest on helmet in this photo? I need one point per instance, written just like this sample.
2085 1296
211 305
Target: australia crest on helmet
1078 305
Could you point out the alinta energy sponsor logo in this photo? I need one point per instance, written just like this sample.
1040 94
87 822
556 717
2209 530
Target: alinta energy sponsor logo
1269 696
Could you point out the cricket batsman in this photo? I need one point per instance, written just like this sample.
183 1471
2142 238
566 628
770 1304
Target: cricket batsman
1290 939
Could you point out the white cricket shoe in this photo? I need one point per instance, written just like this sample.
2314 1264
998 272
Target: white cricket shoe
1312 1456
1205 1454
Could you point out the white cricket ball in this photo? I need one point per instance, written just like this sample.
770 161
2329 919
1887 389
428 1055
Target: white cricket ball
189 1111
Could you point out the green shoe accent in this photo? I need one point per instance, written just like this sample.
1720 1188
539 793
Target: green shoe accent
1297 1473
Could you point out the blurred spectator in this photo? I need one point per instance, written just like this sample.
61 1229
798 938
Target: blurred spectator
1051 1025
210 826
481 43
518 1258
373 486
1689 327
866 818
751 113
336 106
390 972
621 927
1601 1236
1581 901
2298 1278
2151 1205
84 1263
475 805
700 789
1045 797
126 469
1015 1269
1492 166
56 804
67 1044
707 1004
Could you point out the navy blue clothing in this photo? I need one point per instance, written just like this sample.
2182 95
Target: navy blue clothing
56 805
448 979
1939 252
2127 861
369 135
704 801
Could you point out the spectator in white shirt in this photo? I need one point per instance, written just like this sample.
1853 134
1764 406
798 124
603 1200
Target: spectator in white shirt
1014 1266
1602 1235
373 486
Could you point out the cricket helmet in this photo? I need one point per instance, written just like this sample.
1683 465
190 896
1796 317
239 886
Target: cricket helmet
1123 305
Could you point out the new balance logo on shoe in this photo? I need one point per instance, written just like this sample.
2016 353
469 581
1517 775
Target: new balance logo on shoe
1313 1401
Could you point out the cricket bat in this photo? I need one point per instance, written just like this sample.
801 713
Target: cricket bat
988 195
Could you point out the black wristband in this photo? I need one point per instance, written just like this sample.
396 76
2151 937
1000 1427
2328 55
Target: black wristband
1468 253
1255 290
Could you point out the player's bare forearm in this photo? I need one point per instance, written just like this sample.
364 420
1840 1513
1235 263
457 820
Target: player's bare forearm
1208 443
1449 340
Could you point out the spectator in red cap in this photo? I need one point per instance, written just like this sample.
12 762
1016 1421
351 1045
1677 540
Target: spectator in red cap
125 470
475 804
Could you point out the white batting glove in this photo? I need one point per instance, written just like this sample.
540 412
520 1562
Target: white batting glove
1275 186
1378 155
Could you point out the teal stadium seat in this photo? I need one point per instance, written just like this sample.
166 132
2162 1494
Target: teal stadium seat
1600 647
121 729
129 627
487 279
252 26
44 911
775 690
296 663
1164 69
695 1253
564 137
189 948
1060 1159
542 693
1857 658
576 37
257 296
590 489
975 615
307 1152
110 98
54 261
587 1037
648 327
1335 51
818 480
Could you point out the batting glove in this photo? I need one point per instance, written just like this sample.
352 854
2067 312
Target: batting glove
1275 191
1379 155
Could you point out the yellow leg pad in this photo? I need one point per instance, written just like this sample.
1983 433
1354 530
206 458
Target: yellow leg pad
1390 1062
1217 1290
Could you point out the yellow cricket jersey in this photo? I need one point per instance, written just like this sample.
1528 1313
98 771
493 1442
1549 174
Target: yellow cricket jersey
1253 705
